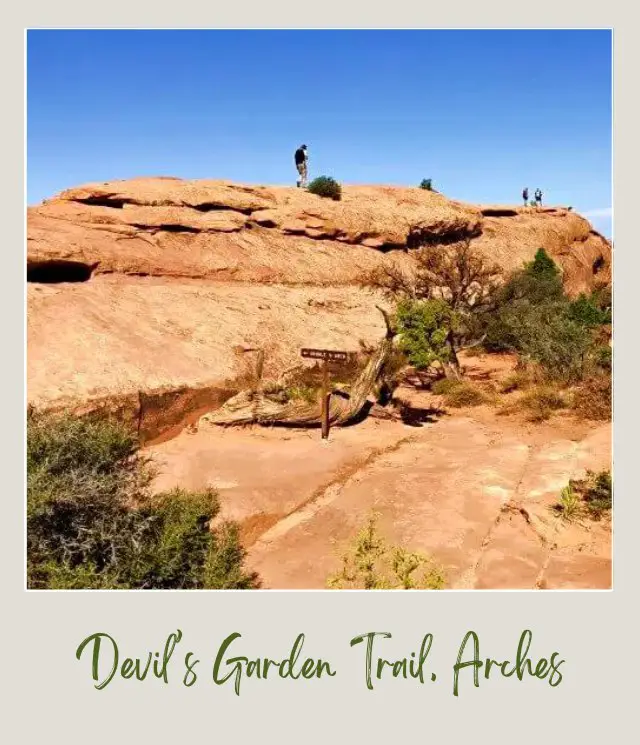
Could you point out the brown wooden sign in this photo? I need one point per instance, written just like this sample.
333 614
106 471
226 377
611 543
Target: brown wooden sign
326 355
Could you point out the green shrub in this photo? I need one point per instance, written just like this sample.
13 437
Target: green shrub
585 312
569 505
92 522
603 357
543 334
592 496
426 183
597 493
325 186
423 327
371 564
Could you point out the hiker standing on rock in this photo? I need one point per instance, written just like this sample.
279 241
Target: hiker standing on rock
301 160
525 195
538 198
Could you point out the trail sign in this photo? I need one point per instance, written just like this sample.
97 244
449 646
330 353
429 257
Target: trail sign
326 355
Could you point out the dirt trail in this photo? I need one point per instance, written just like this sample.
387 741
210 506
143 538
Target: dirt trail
471 488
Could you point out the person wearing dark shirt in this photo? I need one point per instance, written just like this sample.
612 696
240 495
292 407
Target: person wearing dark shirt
538 198
525 196
301 160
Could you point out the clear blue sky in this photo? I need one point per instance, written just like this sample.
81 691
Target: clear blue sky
482 113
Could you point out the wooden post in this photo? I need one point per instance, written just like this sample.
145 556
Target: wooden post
325 355
325 399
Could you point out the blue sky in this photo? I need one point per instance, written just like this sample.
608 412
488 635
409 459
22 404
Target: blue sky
482 113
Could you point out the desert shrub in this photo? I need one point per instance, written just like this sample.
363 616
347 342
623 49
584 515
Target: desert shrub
458 393
533 318
456 275
517 381
423 328
465 394
586 312
371 564
592 398
569 505
597 493
325 186
444 386
603 357
92 522
591 496
426 183
541 402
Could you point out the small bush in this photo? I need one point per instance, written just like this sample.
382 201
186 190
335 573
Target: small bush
592 496
541 402
517 381
444 386
603 358
569 505
426 184
585 312
458 393
371 564
597 493
325 186
592 399
423 327
465 395
92 522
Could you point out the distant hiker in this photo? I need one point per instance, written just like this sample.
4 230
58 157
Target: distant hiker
538 198
525 196
301 164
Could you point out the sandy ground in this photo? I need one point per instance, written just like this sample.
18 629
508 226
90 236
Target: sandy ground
472 488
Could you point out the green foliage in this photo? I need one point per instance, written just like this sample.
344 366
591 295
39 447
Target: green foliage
423 327
426 183
597 493
92 522
371 564
603 300
591 496
534 317
306 393
542 265
325 186
569 505
586 312
603 358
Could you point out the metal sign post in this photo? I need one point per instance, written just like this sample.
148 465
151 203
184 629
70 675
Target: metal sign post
326 355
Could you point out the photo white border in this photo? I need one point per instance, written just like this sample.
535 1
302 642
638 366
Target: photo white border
51 692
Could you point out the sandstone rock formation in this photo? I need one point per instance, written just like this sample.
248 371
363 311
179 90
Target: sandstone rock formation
142 294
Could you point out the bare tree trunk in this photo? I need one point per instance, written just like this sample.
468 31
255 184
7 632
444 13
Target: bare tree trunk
252 406
452 367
